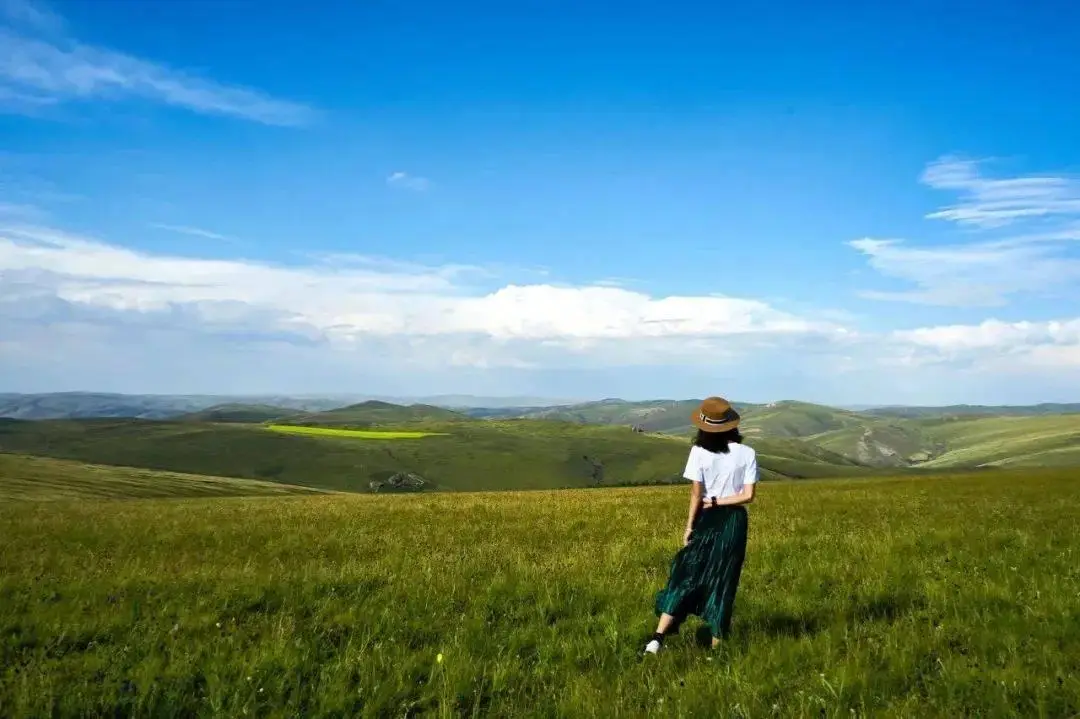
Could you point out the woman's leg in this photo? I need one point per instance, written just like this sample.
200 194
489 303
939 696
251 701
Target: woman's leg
666 620
731 563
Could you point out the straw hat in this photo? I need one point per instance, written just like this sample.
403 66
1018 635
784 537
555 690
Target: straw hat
716 415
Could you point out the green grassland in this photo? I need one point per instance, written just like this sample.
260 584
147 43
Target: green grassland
884 443
41 478
777 419
796 419
942 596
651 415
471 455
1007 440
1049 440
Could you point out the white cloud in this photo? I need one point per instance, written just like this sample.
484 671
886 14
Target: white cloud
194 232
36 71
1036 255
989 203
996 345
406 181
429 315
82 313
973 274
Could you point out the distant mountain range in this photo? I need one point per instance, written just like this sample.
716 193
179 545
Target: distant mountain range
82 405
654 415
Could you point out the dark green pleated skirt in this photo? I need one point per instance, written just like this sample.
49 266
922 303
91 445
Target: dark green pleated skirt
705 573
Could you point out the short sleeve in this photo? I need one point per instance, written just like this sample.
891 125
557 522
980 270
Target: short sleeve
750 476
693 467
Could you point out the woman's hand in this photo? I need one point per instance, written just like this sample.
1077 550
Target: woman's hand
686 536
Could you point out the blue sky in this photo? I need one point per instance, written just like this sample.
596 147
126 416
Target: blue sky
831 202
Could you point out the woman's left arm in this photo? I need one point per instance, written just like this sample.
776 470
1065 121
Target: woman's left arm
744 496
749 488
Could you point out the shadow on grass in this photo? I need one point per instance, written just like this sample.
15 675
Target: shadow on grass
758 623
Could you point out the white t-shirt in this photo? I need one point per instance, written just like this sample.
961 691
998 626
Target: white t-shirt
722 474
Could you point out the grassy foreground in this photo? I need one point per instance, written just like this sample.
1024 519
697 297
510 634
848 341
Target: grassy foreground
944 596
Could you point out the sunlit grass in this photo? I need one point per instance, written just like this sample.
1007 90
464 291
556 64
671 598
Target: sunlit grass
942 596
45 479
351 433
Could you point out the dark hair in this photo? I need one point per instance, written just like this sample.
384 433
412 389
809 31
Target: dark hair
717 441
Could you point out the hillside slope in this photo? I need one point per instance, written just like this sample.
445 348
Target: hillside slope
650 415
470 456
237 412
884 443
375 413
789 418
489 455
975 410
1051 440
42 478
85 405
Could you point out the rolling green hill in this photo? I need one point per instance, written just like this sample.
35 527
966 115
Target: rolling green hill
84 405
970 410
375 413
789 458
826 441
1049 440
884 443
43 478
516 454
652 415
242 413
776 419
1052 440
421 447
796 419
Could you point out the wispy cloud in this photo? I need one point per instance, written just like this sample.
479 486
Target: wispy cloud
194 232
406 181
32 16
989 203
39 70
979 274
20 211
1027 229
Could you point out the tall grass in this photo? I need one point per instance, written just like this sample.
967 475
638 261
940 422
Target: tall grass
943 596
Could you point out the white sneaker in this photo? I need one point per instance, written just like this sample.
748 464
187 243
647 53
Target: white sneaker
652 647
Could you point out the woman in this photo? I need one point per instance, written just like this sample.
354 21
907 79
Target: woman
705 572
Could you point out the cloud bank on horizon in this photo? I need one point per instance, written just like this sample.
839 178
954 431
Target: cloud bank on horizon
108 307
